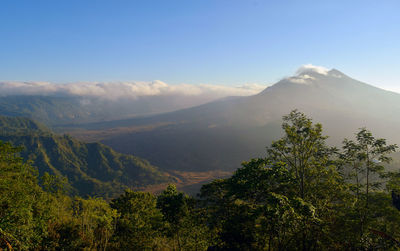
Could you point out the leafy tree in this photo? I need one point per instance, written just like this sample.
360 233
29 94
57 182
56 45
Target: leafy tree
351 166
373 152
316 178
257 207
96 220
364 159
185 222
140 222
173 204
304 151
22 218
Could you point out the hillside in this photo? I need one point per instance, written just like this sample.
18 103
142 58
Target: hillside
77 103
221 134
57 110
91 168
19 125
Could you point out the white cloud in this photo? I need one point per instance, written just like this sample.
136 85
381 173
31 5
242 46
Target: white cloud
301 79
115 90
312 68
305 74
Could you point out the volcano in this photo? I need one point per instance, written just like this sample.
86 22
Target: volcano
221 134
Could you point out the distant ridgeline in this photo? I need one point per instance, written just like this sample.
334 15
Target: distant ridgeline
91 168
62 110
48 110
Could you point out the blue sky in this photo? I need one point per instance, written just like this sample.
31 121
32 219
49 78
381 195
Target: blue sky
227 42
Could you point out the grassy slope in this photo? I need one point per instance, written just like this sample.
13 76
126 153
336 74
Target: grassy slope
91 168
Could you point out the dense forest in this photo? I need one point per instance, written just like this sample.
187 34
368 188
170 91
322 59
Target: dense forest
304 195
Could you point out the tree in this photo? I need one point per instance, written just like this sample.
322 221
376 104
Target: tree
22 217
257 208
173 205
313 167
305 153
140 222
373 153
96 220
186 226
364 159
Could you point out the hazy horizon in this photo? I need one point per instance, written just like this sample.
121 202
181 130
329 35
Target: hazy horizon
114 90
228 43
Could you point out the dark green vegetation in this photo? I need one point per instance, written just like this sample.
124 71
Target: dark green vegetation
90 168
304 195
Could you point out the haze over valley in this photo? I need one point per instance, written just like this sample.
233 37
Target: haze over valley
71 103
219 135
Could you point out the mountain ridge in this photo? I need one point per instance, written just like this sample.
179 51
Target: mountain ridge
219 135
91 168
225 132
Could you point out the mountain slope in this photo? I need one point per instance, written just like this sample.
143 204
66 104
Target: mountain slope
77 103
221 134
91 168
60 110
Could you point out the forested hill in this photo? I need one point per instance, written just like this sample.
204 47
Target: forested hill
15 125
91 168
305 195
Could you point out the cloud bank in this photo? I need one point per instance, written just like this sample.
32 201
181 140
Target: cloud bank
128 90
133 90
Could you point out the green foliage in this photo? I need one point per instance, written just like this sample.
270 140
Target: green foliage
20 125
257 207
96 221
47 219
173 205
304 150
185 223
90 168
303 195
362 165
140 222
21 215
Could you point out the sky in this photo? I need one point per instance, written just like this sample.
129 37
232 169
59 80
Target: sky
221 42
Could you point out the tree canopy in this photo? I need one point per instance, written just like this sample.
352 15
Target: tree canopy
303 195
